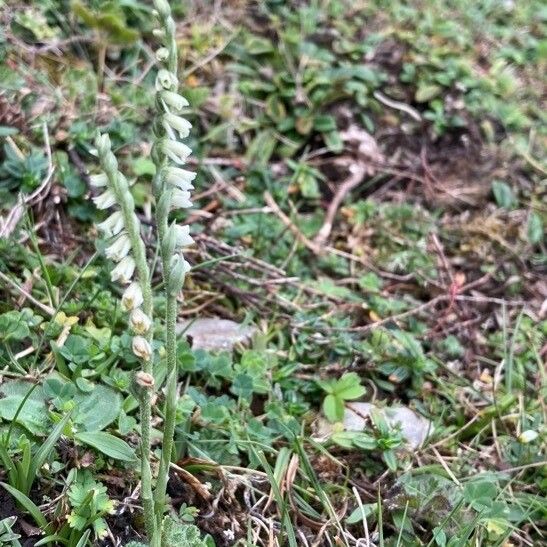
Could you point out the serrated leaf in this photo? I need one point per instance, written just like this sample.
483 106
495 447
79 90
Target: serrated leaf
106 443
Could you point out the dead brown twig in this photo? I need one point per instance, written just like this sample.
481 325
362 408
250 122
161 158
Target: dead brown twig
357 172
270 202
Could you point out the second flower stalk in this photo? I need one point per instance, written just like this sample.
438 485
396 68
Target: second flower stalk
171 187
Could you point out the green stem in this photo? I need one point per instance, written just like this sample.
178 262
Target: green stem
119 186
170 409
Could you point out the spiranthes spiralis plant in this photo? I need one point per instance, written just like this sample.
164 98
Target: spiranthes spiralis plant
171 188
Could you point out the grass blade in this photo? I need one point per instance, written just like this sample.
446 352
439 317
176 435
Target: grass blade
285 518
43 452
27 504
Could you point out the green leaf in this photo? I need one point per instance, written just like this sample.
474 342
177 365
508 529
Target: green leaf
242 386
51 539
503 194
333 141
32 415
343 438
390 459
177 533
83 539
349 387
326 385
534 228
365 442
98 409
275 108
13 326
144 166
28 505
426 92
333 408
256 45
362 512
308 185
106 443
45 449
324 123
6 131
480 493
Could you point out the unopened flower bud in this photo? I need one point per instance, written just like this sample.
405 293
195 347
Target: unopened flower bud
144 379
141 348
162 7
139 321
162 54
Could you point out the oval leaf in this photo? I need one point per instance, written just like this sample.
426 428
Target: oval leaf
106 443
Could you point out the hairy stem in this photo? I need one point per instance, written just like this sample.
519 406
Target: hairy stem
170 407
119 186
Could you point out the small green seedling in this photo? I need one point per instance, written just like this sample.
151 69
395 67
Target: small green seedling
346 388
7 535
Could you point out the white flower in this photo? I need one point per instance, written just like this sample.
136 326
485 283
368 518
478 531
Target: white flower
528 436
181 178
123 272
182 236
139 321
174 100
105 200
132 297
119 248
178 123
141 348
179 258
98 180
186 266
165 79
177 151
180 199
112 225
162 54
